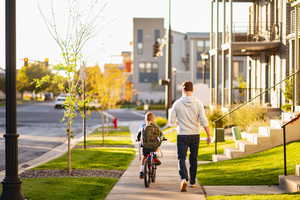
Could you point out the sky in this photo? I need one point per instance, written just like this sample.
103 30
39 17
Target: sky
115 27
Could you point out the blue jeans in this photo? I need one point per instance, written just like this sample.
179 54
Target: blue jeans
183 143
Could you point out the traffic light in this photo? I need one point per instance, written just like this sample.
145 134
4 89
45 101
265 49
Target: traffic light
156 49
46 62
26 62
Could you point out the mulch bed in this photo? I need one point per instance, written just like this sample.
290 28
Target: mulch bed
75 173
101 146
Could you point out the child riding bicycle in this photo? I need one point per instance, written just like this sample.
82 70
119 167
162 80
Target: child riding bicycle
151 138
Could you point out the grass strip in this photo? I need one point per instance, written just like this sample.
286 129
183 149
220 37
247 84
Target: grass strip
292 196
257 169
67 188
95 158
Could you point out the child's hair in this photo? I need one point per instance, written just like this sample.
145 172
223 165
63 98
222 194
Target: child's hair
149 116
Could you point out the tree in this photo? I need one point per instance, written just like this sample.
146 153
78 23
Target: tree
105 87
28 74
78 28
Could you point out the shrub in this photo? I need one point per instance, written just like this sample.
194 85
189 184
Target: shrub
286 108
215 114
248 115
161 121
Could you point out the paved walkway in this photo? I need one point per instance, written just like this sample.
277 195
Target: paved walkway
130 187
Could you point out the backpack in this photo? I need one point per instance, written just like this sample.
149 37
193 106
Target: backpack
151 136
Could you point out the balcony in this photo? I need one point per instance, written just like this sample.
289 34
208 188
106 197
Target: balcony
252 39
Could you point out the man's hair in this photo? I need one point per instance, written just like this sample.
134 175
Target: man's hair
187 86
149 116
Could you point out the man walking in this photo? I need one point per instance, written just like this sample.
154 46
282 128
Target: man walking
189 114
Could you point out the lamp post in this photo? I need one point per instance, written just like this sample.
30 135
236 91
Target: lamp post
175 84
83 79
11 182
169 66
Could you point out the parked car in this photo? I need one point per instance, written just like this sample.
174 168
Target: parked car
60 102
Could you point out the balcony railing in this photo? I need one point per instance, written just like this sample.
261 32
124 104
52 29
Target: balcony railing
243 32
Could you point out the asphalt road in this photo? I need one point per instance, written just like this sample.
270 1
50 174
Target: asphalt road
41 128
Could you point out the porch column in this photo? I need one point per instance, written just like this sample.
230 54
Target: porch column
217 56
211 64
297 60
223 53
230 55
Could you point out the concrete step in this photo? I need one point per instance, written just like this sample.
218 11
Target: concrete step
297 170
275 123
289 183
219 157
246 146
264 131
233 153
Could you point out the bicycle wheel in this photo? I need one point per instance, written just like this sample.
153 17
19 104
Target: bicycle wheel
147 174
153 176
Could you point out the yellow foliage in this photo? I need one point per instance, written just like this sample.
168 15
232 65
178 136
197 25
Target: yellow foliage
105 87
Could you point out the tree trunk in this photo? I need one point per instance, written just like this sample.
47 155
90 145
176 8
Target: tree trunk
69 134
103 122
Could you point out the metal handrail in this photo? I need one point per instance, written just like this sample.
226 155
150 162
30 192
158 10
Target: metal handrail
246 103
284 142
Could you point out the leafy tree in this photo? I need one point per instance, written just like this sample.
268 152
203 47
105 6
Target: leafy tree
288 92
79 27
28 74
105 87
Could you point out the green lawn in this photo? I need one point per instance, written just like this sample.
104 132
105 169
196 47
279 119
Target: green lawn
257 169
293 196
94 158
120 137
205 150
121 131
67 188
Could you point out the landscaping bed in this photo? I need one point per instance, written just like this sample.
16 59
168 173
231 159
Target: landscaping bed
94 172
257 169
292 196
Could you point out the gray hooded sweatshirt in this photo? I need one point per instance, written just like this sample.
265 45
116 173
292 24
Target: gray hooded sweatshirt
189 113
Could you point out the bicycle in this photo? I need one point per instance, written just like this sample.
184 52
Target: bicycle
150 169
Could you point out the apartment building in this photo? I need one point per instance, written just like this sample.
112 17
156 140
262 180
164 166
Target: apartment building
294 46
189 59
263 41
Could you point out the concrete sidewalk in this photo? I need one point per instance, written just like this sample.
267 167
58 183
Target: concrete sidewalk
130 187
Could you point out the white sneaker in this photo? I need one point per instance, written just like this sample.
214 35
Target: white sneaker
193 185
183 186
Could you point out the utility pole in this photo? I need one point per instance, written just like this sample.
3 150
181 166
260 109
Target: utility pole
169 67
83 79
11 182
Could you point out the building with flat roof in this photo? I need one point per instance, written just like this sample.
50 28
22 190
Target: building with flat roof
189 59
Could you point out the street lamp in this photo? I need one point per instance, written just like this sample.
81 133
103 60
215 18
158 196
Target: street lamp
169 66
175 83
11 182
83 79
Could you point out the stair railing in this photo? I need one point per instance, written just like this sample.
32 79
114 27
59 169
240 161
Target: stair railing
284 142
242 105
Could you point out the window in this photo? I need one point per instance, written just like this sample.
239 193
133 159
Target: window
148 67
201 45
142 67
148 72
155 67
140 38
198 55
156 34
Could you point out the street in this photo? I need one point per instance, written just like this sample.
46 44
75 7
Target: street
41 128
